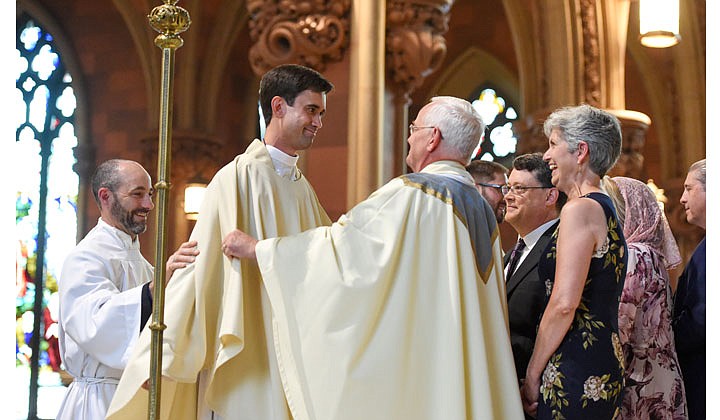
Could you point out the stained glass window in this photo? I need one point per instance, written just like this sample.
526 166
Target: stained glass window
46 210
499 141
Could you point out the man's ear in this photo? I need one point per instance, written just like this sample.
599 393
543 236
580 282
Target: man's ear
435 139
553 196
104 194
277 104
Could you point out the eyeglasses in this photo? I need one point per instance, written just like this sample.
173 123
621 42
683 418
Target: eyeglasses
520 189
502 188
414 128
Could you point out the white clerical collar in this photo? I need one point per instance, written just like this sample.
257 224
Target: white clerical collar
450 169
126 239
285 165
532 237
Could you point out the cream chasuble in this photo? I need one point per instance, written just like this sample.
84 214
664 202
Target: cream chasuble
397 310
218 349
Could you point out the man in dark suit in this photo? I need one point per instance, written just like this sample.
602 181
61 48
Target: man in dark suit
533 208
689 310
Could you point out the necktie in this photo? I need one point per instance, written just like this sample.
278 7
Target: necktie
515 257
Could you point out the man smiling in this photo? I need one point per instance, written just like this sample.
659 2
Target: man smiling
218 351
106 288
533 209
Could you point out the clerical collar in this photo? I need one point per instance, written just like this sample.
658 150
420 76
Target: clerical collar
285 165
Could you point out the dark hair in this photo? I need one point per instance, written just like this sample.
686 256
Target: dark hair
288 81
107 175
534 163
485 170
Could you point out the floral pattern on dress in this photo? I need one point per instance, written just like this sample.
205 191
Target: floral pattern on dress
584 378
600 387
654 383
551 386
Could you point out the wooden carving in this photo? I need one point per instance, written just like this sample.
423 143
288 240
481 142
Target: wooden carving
415 46
310 32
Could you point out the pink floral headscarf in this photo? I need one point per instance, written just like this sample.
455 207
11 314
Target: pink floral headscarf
644 221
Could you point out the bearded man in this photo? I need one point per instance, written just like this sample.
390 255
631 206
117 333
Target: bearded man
106 289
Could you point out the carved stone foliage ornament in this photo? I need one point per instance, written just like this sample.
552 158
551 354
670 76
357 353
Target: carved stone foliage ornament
415 46
309 32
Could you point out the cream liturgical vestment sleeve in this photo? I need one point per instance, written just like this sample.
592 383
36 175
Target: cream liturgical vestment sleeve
218 349
397 310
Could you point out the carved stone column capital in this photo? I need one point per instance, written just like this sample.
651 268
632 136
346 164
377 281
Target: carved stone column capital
634 130
193 154
308 32
415 46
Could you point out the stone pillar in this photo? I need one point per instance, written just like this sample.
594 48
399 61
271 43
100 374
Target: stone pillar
195 155
366 145
415 48
84 166
634 130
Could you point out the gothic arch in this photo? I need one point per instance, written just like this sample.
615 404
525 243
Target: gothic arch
84 152
472 68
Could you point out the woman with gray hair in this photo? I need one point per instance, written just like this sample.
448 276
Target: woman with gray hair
576 369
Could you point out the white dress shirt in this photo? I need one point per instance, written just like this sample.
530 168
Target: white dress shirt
530 240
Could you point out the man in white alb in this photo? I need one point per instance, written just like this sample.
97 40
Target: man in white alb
105 289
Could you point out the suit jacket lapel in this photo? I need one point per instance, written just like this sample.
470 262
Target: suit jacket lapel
531 261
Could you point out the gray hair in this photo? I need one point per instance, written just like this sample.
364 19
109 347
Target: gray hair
599 129
699 169
460 124
107 175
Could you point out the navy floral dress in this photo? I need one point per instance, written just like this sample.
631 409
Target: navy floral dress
584 377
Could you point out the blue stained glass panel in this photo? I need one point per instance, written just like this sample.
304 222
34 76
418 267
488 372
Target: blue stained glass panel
46 105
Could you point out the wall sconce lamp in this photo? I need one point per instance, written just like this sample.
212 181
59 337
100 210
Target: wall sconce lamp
194 193
659 23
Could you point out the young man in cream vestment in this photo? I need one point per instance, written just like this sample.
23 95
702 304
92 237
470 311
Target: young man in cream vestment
218 357
397 310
